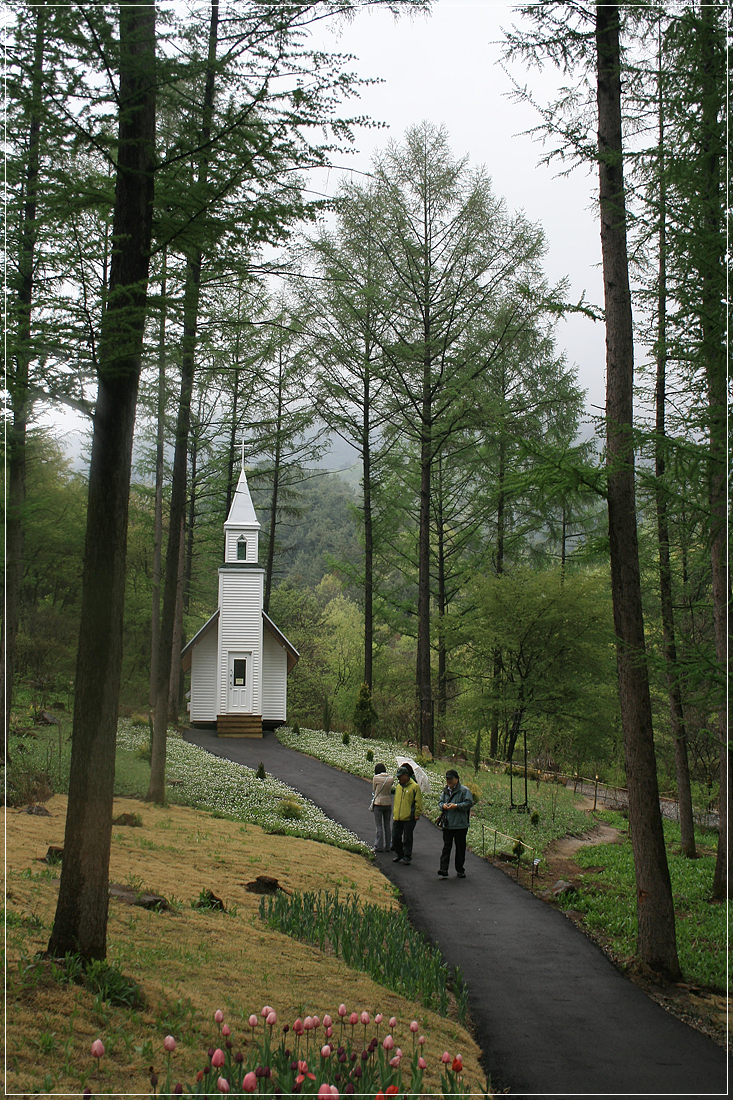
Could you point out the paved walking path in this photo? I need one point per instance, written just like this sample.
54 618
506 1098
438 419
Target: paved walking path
552 1015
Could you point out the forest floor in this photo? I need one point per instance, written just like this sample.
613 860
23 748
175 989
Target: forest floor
705 1009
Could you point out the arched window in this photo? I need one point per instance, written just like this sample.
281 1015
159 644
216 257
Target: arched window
241 548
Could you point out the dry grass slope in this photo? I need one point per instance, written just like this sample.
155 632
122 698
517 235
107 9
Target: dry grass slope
189 962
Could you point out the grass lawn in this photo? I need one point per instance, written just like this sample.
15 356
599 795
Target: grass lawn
188 962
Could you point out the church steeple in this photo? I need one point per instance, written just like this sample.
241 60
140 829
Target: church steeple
241 529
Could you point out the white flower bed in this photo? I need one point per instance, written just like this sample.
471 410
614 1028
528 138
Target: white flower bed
330 748
221 786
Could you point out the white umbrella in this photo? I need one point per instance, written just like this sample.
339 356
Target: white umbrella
421 776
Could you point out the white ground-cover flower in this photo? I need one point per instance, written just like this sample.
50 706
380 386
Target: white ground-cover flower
221 786
330 748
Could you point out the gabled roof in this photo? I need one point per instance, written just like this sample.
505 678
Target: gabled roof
293 655
198 637
187 651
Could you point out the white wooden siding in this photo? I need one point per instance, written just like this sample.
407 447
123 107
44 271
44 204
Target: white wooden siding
240 627
274 679
204 659
230 545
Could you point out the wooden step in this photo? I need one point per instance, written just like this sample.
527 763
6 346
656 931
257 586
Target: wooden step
239 725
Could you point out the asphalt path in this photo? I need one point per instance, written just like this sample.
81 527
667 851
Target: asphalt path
551 1014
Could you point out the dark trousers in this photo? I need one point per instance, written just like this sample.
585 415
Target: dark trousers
449 837
402 837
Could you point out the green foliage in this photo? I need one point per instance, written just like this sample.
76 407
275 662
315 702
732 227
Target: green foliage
365 715
345 739
327 708
106 982
379 941
290 809
261 773
556 671
369 755
609 906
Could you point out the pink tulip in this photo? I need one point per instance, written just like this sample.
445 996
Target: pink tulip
218 1058
225 1030
253 1021
414 1026
329 1031
298 1026
325 1051
327 1021
169 1044
395 1061
308 1023
421 1041
421 1063
342 1010
393 1021
222 1084
324 1092
354 1018
388 1042
218 1015
316 1021
365 1017
271 1019
378 1018
249 1084
445 1057
97 1048
267 1009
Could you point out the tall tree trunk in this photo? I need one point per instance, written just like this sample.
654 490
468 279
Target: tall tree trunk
159 467
499 566
174 690
274 496
18 386
368 534
684 792
711 264
442 603
80 924
424 686
156 787
655 910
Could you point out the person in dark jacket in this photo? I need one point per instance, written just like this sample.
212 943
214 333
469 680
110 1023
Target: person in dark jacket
455 801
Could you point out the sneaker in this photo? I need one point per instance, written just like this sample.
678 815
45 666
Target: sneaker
398 859
460 874
407 862
443 874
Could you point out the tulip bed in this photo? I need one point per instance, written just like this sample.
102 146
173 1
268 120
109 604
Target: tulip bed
310 1058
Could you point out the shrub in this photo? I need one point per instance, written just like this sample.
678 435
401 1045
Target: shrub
290 809
364 713
261 773
369 755
345 739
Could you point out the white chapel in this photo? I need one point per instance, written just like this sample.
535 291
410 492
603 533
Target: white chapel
239 660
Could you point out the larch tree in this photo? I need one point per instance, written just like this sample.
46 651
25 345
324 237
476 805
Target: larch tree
80 923
657 944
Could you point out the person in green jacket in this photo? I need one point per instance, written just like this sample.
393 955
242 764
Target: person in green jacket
455 801
405 813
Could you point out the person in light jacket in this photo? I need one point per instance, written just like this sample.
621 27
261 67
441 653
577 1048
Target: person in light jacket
382 808
405 813
456 801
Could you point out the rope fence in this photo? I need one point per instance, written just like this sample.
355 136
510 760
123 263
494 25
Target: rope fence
610 796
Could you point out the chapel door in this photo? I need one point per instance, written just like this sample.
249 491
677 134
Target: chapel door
240 688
